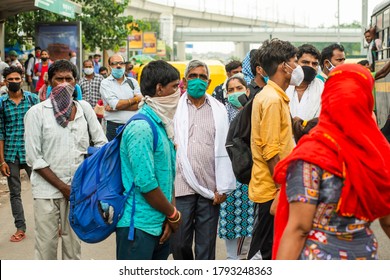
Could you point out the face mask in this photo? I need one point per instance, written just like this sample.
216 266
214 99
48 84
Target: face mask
88 71
104 75
165 107
309 73
233 98
265 78
196 88
14 86
117 73
44 59
297 75
331 66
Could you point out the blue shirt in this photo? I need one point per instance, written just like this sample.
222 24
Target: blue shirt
147 169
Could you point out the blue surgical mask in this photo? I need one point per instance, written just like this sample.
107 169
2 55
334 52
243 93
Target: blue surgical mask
265 78
117 72
233 98
196 88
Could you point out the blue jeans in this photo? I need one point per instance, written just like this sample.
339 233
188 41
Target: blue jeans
199 215
15 190
144 246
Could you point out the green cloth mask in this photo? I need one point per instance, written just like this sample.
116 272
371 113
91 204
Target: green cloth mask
233 99
196 88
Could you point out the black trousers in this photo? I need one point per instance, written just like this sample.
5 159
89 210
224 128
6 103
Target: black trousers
263 231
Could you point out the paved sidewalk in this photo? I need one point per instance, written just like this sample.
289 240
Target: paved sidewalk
24 250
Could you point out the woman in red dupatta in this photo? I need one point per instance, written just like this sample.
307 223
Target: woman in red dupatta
337 180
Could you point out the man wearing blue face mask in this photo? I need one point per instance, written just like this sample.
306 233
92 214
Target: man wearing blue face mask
120 95
204 174
331 56
260 79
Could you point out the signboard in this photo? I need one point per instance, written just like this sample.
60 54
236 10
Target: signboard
60 38
150 43
135 40
61 7
161 48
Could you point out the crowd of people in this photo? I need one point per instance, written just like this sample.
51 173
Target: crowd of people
320 173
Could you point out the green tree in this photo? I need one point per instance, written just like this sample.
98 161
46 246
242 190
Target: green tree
103 24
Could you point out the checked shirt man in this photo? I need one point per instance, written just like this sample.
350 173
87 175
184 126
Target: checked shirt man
90 84
14 106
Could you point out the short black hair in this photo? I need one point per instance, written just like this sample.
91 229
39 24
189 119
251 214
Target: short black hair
309 49
157 72
62 65
37 49
254 60
327 52
273 52
103 68
363 62
232 65
12 69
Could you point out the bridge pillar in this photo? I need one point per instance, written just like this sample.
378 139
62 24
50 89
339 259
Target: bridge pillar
241 49
181 51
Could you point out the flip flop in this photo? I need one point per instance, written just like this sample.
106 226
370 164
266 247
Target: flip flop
18 236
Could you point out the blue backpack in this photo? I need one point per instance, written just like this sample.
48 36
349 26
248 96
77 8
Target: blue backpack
97 195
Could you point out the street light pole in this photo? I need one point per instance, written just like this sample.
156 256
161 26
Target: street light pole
338 21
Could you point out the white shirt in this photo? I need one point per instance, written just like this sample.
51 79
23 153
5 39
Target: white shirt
111 92
62 149
310 105
30 67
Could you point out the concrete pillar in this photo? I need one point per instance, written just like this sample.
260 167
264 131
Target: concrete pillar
166 31
241 49
181 51
364 25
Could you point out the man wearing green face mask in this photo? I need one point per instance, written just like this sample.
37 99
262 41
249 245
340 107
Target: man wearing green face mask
120 95
204 173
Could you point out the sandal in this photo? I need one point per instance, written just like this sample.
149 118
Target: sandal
18 236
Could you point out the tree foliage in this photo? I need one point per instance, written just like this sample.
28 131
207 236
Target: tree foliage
102 21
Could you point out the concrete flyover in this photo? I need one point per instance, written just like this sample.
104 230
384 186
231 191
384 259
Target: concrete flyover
149 10
256 35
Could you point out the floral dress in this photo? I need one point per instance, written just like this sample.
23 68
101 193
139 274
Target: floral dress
236 214
332 237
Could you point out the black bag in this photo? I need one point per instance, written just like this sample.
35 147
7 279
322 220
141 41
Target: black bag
238 144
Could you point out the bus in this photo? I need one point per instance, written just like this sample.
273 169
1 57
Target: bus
380 19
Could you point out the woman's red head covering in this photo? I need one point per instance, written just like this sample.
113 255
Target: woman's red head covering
347 143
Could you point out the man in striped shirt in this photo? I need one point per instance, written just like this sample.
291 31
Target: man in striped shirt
204 174
90 84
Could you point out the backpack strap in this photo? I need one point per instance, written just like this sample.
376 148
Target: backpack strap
155 140
130 82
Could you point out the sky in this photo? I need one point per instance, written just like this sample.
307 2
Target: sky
310 13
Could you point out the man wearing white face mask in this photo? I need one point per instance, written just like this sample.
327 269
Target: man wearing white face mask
331 56
271 136
149 164
120 95
90 84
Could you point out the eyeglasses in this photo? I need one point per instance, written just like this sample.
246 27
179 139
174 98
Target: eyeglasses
197 76
116 63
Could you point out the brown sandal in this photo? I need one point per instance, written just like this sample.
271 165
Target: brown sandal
18 236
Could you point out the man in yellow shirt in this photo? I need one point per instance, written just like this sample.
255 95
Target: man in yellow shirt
271 136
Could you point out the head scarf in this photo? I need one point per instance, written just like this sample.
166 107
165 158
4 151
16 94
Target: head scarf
62 100
347 143
246 68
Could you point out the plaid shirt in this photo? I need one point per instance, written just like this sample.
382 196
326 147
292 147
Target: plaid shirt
91 89
11 126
